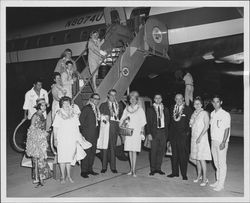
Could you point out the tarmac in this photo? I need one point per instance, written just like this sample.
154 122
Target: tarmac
121 185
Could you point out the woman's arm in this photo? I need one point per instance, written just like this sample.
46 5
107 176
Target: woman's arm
55 93
206 126
65 80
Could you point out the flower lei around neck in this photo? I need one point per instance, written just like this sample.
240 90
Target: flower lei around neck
177 115
156 109
194 116
113 112
131 110
96 111
66 115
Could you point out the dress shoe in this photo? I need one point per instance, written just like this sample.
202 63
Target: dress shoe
93 173
184 178
172 175
214 184
84 175
152 173
103 170
114 171
160 172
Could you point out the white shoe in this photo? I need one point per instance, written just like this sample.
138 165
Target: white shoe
218 188
214 184
130 173
204 183
197 179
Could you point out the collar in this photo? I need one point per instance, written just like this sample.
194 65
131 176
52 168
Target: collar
220 109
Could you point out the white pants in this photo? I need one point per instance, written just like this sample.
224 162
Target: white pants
220 158
189 94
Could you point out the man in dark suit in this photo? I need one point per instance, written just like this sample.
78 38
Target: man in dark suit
89 120
180 137
113 111
157 128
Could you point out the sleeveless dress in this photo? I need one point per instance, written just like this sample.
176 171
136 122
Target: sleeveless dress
36 148
137 121
200 151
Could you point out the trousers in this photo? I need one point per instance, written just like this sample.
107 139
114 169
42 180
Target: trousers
220 161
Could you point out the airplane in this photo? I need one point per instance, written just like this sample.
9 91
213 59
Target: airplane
181 36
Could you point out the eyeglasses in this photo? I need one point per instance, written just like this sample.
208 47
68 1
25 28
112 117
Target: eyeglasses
96 98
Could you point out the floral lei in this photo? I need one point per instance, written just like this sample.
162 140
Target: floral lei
97 113
194 116
115 111
177 115
132 111
156 110
64 115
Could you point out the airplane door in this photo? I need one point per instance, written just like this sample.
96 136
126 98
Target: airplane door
114 15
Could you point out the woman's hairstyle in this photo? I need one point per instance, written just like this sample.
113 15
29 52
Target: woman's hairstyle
134 94
55 74
38 106
68 62
36 80
93 32
65 51
198 98
93 95
63 99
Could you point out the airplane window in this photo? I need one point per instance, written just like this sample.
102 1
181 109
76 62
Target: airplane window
67 37
38 42
26 43
52 40
84 36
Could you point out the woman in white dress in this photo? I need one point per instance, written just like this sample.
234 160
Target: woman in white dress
135 118
57 92
68 79
66 134
200 149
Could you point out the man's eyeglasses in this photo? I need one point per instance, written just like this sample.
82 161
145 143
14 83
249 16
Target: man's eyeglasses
95 98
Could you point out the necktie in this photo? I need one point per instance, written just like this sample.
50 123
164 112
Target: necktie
159 117
113 108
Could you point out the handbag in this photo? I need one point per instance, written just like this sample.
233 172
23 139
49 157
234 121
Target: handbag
26 162
126 131
147 143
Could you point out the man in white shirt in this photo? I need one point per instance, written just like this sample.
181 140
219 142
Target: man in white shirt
220 131
31 96
189 90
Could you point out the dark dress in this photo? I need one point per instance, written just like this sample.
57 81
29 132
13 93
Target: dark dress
90 132
36 147
159 135
113 133
180 138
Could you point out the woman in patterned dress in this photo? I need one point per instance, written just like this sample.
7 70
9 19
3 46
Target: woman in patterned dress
36 145
200 149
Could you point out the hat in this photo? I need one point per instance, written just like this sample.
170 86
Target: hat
40 101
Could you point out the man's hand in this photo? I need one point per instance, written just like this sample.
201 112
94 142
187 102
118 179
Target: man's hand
222 145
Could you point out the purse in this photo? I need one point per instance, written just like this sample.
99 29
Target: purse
147 143
126 131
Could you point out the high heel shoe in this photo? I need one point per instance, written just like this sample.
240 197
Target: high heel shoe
70 180
130 173
197 179
133 174
204 183
62 181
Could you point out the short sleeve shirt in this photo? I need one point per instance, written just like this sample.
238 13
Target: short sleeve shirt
30 101
220 121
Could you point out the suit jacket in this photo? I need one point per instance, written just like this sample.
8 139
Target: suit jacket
104 109
181 128
88 126
152 121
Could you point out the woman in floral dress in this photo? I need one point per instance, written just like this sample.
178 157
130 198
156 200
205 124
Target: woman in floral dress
36 145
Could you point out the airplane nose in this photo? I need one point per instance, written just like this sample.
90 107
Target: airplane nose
156 36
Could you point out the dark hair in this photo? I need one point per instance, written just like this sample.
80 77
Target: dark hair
55 74
94 94
64 52
157 94
36 80
68 62
38 106
112 90
198 98
63 99
217 96
93 32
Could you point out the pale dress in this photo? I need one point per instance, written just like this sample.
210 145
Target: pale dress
67 135
200 151
137 121
56 92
